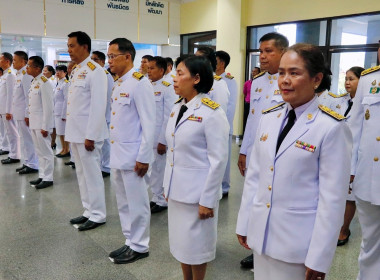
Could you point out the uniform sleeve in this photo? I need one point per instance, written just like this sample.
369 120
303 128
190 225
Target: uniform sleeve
232 103
216 133
47 106
251 184
248 127
221 95
26 83
335 151
146 108
65 91
356 124
96 118
110 83
10 87
169 99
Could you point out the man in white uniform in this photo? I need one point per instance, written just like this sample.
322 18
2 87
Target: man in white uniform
364 123
132 137
264 94
86 128
41 121
100 58
20 112
169 76
6 99
164 98
222 61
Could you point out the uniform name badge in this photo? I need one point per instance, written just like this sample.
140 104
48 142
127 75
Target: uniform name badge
157 93
124 94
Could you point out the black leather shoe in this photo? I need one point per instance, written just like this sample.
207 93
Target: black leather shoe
63 155
78 220
36 182
129 256
89 225
20 168
158 208
69 163
151 204
225 195
118 252
73 166
28 170
105 174
3 152
247 262
10 160
342 242
44 184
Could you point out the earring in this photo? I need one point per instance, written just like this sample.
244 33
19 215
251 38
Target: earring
315 87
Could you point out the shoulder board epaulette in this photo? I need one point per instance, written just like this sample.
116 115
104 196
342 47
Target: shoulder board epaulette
217 78
274 108
66 80
23 72
105 70
370 70
179 100
173 76
208 102
9 71
91 65
165 83
331 113
44 79
229 76
137 76
337 95
259 75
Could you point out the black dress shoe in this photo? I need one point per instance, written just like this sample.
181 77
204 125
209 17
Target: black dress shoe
28 170
63 155
69 163
118 252
342 242
78 220
247 262
129 256
225 195
89 225
105 174
158 208
151 204
10 160
73 166
44 184
3 152
36 182
20 168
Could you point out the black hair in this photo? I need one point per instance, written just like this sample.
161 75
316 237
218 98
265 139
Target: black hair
169 60
37 62
22 55
148 57
160 62
8 57
357 70
257 67
50 69
223 56
100 55
82 39
1 70
125 46
209 53
181 58
62 68
199 65
280 41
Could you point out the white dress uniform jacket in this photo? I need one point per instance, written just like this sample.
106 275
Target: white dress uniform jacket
86 104
264 94
60 97
194 170
219 93
21 94
294 215
7 82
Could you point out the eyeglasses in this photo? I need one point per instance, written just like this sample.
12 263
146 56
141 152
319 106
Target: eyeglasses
113 56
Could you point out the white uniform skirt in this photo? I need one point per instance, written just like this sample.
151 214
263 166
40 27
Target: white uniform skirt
192 240
59 125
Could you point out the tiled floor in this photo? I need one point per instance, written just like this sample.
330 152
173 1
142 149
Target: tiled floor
37 241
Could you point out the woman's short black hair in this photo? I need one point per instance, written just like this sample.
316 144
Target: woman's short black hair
50 69
199 65
63 68
357 70
210 54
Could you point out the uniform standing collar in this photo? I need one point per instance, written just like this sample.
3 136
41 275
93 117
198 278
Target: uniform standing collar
84 62
158 81
300 109
127 75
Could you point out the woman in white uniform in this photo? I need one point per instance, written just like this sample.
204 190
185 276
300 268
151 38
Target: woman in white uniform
351 84
293 204
49 73
60 98
197 139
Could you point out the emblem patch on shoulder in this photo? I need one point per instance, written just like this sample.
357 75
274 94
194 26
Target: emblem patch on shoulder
208 102
165 83
44 79
91 65
217 78
137 76
331 113
370 70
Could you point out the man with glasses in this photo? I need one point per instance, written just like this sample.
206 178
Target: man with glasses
86 128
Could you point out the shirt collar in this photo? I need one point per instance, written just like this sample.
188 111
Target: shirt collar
300 109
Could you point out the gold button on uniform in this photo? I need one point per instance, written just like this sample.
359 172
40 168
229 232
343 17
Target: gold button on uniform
268 205
376 159
378 138
113 113
269 187
171 149
271 168
171 164
173 134
111 126
115 98
112 141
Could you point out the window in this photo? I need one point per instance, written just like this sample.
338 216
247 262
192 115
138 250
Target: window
191 42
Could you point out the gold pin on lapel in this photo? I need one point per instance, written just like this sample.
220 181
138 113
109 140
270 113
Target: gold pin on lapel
279 115
367 115
374 83
264 137
172 114
309 116
253 111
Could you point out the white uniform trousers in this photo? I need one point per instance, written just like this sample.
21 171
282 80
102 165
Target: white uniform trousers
226 178
90 181
369 258
134 211
105 161
29 155
4 145
45 155
13 138
157 178
71 154
267 268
